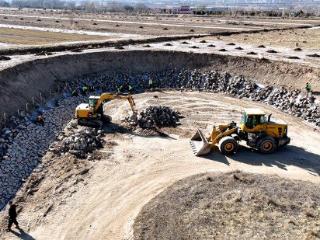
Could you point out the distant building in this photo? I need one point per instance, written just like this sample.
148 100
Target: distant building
185 10
177 10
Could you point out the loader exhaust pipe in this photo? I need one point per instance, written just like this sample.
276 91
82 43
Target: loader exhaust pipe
199 144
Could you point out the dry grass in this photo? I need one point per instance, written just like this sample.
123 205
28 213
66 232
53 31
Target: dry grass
232 206
31 37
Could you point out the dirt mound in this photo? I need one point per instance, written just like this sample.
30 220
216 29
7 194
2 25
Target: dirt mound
232 206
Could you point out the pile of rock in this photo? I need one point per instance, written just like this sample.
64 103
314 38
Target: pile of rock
79 143
158 116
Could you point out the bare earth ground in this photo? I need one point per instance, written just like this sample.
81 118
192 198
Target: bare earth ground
217 46
232 206
302 38
153 24
31 37
137 168
132 26
142 26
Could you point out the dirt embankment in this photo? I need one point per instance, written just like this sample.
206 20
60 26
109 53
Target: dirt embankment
31 81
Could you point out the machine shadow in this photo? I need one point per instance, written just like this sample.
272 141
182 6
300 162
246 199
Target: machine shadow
284 157
117 128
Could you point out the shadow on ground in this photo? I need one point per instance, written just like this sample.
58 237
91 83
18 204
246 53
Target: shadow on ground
116 128
21 234
284 157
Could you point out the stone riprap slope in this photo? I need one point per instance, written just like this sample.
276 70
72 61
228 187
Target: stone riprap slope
295 102
23 143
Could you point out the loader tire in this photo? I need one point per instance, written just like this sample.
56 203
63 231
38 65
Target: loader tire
228 145
267 145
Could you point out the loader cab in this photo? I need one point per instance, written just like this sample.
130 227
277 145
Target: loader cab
253 120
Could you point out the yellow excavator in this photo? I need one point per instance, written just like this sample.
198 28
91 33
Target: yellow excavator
91 113
256 129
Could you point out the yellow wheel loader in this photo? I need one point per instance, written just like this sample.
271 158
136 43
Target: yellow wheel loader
257 130
91 113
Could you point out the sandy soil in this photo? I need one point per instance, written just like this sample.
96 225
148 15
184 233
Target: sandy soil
141 167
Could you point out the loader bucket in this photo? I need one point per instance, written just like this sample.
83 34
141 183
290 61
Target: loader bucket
200 144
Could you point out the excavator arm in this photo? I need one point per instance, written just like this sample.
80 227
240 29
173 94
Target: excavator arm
130 100
110 96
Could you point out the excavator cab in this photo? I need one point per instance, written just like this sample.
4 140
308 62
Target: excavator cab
93 100
87 110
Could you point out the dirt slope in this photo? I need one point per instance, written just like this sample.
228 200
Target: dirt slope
141 167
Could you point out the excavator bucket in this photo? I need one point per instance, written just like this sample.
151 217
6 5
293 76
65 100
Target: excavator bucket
133 119
200 144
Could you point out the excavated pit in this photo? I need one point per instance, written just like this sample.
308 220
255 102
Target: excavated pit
46 84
